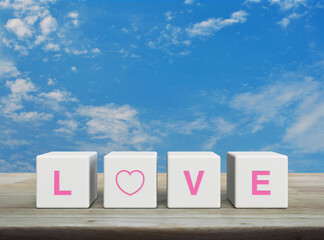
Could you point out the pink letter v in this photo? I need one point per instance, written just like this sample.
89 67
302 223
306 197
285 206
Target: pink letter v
193 190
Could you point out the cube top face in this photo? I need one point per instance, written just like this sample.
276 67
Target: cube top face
259 179
132 154
193 180
192 154
66 179
79 155
130 180
255 154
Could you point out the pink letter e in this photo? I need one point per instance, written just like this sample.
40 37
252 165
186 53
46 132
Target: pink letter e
256 182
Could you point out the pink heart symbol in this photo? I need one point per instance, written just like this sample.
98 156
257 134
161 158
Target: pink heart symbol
130 173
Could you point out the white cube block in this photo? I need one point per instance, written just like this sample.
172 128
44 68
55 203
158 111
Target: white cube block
257 179
130 180
193 180
66 179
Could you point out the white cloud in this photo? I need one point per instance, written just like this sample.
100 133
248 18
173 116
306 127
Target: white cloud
306 131
119 124
151 44
288 4
20 86
270 102
5 4
21 49
187 42
79 52
307 124
25 103
20 90
220 125
96 50
220 128
216 127
31 116
55 100
34 25
68 126
210 142
172 33
16 46
168 15
74 69
123 52
110 121
51 81
17 166
286 20
59 96
212 25
8 69
74 16
52 47
109 127
125 30
170 39
18 27
48 25
133 55
188 127
184 53
30 7
40 39
295 103
13 143
33 20
188 2
30 20
132 28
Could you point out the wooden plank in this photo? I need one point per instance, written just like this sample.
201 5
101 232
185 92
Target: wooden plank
304 217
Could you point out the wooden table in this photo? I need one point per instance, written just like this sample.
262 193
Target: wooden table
304 219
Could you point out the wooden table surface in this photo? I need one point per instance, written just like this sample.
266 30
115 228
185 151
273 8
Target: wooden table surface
304 218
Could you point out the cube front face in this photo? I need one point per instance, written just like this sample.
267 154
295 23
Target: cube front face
130 180
193 180
66 179
259 180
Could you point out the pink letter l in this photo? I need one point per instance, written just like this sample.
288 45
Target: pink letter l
57 190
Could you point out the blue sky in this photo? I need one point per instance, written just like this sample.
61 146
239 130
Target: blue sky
162 75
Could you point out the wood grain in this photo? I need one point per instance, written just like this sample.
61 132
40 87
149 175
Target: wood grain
304 219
